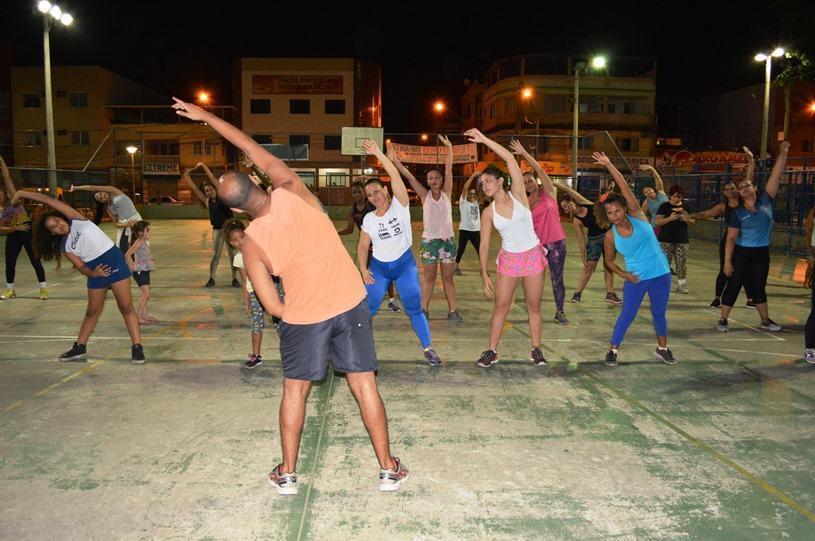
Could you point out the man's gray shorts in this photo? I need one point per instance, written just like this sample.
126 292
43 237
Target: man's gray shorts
346 338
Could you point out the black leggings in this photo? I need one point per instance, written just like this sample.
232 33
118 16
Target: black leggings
751 266
721 279
15 242
463 237
809 330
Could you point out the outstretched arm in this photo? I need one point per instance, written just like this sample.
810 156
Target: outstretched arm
417 187
397 184
112 190
517 185
186 179
546 182
7 182
209 174
751 164
448 167
600 158
279 173
576 196
778 169
67 210
466 187
659 186
713 212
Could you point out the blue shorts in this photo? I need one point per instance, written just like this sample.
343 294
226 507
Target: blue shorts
113 258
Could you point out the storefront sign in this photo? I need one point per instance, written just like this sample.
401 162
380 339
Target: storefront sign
435 154
706 160
297 84
160 168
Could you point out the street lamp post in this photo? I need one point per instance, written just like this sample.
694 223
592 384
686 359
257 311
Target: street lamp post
598 62
132 151
50 13
767 59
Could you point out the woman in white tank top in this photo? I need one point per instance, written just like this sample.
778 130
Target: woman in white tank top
521 255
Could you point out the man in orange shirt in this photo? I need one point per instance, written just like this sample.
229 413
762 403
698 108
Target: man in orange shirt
325 311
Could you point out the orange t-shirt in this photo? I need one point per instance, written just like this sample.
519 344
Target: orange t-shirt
304 249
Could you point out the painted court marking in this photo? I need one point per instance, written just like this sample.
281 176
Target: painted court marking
53 386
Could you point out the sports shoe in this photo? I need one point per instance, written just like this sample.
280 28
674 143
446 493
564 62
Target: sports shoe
8 294
284 483
253 361
458 270
537 358
665 356
393 306
612 298
560 317
76 353
455 316
770 325
715 303
391 480
43 293
137 354
576 297
235 282
809 355
488 358
749 304
210 283
431 357
611 358
682 289
722 325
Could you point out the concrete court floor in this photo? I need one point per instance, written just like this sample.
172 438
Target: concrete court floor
719 446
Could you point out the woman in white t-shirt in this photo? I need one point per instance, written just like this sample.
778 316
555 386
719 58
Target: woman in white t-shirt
388 228
94 255
469 228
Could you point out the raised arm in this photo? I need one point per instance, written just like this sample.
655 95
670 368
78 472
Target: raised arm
448 166
600 158
207 171
546 182
397 184
713 212
470 180
517 186
186 179
67 210
278 172
778 169
751 165
7 182
112 190
417 187
576 196
659 186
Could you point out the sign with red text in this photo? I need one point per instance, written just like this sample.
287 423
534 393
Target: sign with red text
705 160
297 84
466 153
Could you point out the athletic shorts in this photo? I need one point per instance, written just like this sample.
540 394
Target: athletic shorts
520 264
438 251
347 339
113 258
257 316
595 247
142 278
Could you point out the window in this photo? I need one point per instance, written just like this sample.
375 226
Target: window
806 145
334 107
308 177
296 140
80 138
203 148
591 104
628 143
336 179
33 139
585 142
628 106
262 139
555 103
260 107
333 142
299 107
31 101
79 99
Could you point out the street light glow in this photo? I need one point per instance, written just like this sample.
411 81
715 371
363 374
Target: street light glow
526 92
44 6
778 52
812 107
66 19
55 12
203 97
131 149
598 62
439 106
761 57
424 137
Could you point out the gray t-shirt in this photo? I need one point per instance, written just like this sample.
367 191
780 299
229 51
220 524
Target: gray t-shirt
123 208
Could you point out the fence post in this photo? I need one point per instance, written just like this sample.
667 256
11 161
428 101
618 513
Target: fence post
791 204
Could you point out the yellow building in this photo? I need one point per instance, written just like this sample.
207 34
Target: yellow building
299 106
534 95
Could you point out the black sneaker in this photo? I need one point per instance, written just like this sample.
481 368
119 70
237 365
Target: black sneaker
393 306
488 358
576 297
455 316
722 325
235 282
253 361
665 356
715 303
432 358
612 298
611 358
770 325
537 357
560 317
76 353
137 354
749 304
210 283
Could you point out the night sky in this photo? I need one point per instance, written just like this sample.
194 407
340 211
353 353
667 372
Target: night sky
425 49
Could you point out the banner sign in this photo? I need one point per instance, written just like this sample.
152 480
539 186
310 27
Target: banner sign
466 153
297 84
706 160
160 168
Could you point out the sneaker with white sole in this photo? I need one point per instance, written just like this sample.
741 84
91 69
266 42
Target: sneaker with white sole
488 358
284 483
722 325
577 297
612 298
665 355
8 294
750 304
390 480
770 325
809 355
78 352
611 358
715 303
537 358
43 293
137 354
253 361
393 306
432 358
560 317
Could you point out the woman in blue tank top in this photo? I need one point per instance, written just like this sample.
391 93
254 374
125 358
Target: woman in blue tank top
646 267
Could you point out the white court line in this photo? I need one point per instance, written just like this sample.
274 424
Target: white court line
760 331
761 352
73 337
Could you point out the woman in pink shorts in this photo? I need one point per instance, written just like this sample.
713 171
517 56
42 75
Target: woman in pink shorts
521 254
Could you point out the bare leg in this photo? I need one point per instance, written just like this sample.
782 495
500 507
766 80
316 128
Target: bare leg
533 290
763 311
292 416
585 275
429 283
609 278
256 339
96 301
363 387
504 288
141 308
121 290
447 271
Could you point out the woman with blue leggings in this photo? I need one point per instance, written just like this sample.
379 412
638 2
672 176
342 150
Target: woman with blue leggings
647 268
388 228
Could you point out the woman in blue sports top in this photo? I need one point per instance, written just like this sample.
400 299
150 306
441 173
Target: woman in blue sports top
647 269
